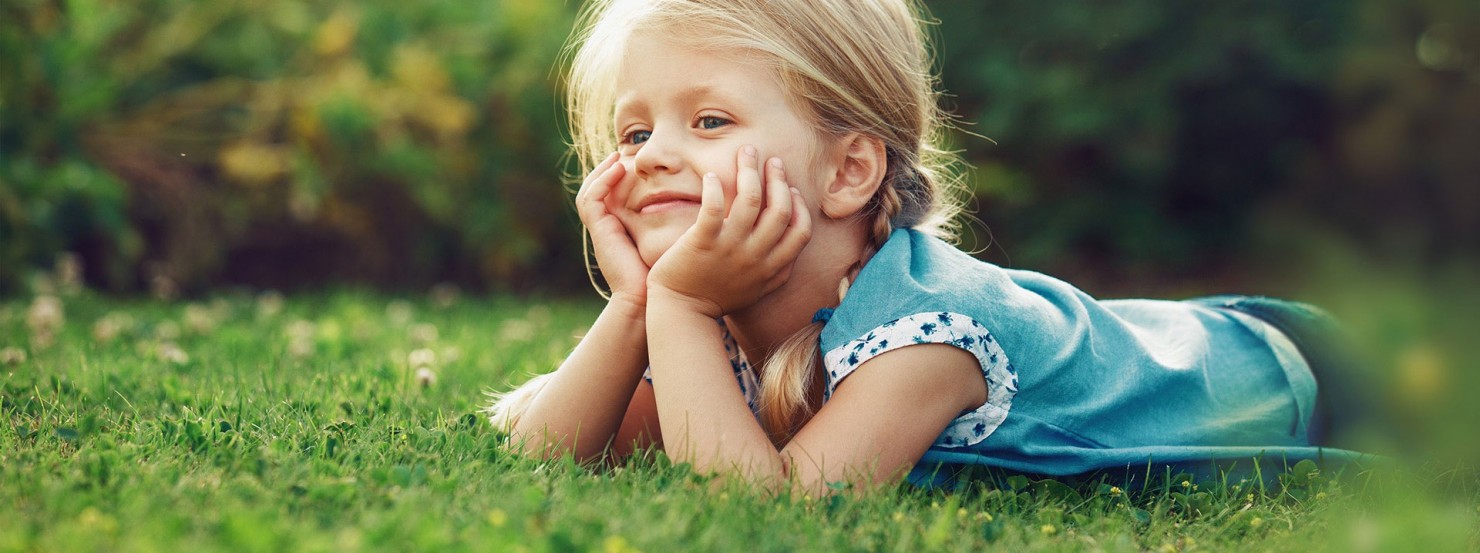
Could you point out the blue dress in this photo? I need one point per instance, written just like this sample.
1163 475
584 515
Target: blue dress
1075 384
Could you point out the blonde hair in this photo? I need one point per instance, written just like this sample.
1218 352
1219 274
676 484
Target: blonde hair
852 66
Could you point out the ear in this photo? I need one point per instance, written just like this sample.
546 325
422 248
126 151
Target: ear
860 162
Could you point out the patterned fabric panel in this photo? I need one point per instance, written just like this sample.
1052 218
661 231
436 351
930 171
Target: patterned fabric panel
952 329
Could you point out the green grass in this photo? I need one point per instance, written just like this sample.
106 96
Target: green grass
304 427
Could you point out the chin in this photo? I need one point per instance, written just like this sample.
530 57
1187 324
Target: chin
653 247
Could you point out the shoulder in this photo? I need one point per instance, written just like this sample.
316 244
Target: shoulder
913 272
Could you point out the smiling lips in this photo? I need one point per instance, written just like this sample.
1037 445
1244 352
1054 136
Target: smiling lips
663 201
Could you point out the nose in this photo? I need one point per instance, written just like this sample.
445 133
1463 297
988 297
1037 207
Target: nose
659 154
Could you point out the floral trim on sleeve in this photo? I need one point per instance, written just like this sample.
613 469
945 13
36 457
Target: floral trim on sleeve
953 329
744 375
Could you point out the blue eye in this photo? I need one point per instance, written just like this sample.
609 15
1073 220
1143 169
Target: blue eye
711 122
637 137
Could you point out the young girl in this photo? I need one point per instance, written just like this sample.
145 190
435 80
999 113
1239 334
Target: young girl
765 200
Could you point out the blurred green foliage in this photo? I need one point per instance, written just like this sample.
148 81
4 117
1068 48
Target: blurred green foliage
182 144
187 144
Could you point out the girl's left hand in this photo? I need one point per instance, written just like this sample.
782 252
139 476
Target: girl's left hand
731 257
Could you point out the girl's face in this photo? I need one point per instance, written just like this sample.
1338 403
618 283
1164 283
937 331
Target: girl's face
683 112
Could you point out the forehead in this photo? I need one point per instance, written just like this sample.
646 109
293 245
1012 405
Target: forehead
654 69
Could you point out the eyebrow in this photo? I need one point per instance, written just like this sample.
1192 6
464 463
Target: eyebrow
686 95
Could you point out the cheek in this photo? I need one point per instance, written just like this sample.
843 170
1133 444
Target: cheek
720 161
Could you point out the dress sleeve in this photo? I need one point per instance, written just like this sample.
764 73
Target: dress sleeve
946 328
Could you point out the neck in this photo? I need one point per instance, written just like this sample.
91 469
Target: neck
761 327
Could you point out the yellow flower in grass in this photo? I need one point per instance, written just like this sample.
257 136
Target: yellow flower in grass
617 544
498 518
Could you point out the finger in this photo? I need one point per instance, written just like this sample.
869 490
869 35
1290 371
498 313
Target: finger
748 191
593 204
711 207
598 170
777 215
601 186
797 234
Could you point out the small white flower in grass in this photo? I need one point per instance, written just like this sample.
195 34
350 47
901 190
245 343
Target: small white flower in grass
45 319
12 356
69 272
538 314
111 325
300 348
399 312
199 319
301 329
161 286
301 335
169 352
516 330
445 295
425 377
423 333
269 304
420 358
451 354
167 330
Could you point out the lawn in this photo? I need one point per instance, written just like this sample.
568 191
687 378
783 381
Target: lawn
349 421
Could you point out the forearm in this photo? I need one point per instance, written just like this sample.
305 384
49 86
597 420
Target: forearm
703 415
581 407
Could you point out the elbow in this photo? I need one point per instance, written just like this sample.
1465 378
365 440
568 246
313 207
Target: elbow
525 437
507 409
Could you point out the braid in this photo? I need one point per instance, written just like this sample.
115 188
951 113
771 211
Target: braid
886 207
788 374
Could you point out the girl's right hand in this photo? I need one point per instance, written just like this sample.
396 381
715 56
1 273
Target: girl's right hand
616 254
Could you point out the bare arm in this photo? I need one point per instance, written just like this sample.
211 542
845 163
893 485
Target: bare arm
582 405
875 427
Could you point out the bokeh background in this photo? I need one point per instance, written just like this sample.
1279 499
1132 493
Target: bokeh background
1320 149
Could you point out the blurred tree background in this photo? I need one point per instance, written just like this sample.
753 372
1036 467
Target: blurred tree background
1135 146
